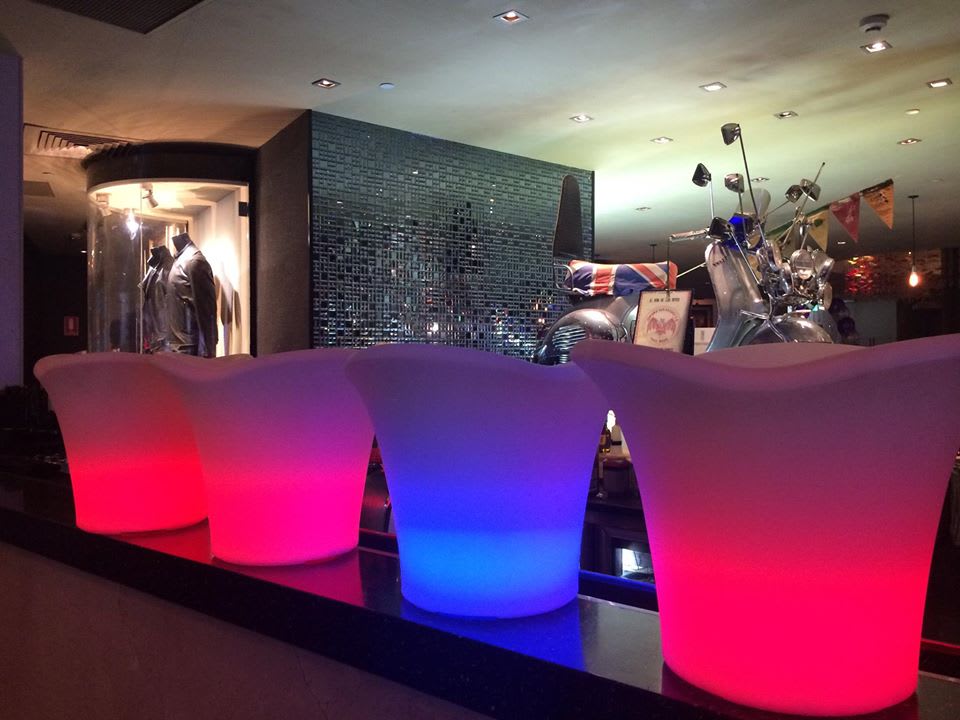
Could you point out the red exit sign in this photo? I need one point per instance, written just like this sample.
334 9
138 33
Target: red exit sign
71 325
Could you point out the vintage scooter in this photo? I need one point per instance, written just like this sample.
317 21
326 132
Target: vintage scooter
760 296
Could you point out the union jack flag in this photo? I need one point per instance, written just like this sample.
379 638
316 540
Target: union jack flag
589 279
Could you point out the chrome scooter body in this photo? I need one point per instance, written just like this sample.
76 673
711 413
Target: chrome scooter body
739 304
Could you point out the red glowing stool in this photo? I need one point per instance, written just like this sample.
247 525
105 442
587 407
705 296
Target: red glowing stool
284 441
488 462
133 462
792 494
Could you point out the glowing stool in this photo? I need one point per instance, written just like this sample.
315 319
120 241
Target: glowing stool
130 447
792 494
488 462
284 441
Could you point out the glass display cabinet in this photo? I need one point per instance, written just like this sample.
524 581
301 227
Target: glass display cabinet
168 267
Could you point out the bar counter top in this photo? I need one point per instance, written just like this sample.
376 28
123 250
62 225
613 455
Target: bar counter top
592 658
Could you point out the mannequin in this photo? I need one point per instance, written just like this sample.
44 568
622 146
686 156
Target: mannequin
155 326
191 301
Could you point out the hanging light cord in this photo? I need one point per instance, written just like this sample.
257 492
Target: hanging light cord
913 208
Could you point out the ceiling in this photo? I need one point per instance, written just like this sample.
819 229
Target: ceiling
237 71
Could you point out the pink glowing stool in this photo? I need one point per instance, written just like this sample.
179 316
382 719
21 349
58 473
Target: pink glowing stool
130 447
284 441
792 494
488 462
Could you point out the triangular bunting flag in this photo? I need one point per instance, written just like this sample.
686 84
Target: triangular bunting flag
818 226
880 198
847 211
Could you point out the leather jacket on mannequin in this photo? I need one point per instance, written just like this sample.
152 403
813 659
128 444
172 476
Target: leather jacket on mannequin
191 301
156 327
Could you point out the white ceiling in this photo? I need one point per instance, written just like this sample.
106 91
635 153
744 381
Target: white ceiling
238 70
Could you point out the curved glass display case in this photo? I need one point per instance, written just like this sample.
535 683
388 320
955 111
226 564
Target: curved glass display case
168 267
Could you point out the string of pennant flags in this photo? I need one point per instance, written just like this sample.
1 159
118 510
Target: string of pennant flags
847 211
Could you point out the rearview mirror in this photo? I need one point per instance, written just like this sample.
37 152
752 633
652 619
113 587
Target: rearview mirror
734 182
730 132
701 176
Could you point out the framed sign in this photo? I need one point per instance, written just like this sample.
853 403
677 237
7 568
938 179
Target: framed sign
662 318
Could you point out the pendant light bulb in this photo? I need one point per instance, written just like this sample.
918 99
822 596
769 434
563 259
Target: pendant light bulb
914 278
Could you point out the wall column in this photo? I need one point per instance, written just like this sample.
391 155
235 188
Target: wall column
11 216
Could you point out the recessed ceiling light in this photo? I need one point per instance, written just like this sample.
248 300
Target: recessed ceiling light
785 114
581 118
644 208
759 179
387 86
662 140
511 17
325 83
713 87
909 141
841 242
913 111
940 83
875 47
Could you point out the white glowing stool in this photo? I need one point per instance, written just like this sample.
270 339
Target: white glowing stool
488 462
130 448
284 441
791 495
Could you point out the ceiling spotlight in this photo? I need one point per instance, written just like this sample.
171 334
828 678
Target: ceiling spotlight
909 141
511 17
940 83
644 208
662 140
151 200
760 179
713 87
581 118
913 111
785 114
387 86
875 47
325 83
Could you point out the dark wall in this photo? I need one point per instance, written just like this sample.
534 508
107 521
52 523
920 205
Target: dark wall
282 247
54 286
419 239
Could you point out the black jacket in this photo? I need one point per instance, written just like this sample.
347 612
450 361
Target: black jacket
192 304
156 328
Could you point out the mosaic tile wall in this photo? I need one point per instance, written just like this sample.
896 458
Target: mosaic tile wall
415 239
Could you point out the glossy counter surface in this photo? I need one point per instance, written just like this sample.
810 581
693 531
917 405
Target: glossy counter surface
592 658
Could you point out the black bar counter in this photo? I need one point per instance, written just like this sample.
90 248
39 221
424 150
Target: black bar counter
593 658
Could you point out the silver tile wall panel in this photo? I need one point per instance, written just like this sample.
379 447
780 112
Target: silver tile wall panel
415 239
